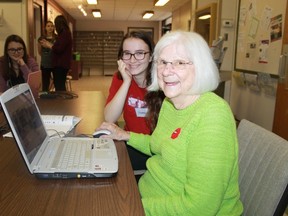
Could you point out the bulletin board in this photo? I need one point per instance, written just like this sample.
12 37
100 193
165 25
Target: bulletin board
52 13
259 35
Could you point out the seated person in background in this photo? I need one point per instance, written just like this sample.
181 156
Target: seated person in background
193 168
16 63
128 91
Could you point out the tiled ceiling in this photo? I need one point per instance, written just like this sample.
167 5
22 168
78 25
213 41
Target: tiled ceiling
121 10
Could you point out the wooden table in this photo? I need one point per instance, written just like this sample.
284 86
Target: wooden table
23 194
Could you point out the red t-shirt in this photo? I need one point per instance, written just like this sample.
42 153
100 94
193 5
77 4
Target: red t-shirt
134 109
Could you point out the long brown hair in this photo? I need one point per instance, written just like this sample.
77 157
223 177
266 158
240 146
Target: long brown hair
61 24
154 101
8 71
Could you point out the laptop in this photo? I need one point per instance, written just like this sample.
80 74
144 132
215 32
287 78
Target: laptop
54 157
35 82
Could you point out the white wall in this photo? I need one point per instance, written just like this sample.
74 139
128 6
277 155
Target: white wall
182 17
14 21
245 103
254 106
203 3
229 11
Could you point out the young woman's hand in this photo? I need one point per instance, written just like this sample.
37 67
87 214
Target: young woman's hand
18 59
21 62
123 70
46 44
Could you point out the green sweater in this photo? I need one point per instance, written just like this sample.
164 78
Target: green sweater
194 165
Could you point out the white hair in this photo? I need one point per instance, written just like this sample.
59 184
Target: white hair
198 52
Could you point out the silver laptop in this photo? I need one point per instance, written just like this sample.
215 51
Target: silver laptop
54 157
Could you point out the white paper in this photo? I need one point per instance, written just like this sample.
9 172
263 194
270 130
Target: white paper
56 124
251 81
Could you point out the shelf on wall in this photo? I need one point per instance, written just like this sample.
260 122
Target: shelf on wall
99 49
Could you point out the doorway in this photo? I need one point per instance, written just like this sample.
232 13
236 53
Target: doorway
37 10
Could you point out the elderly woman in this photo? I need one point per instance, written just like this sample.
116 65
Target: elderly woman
193 168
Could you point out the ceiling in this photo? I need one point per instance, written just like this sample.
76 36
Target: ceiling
120 10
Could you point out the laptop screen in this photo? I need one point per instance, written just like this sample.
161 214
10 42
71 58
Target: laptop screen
27 123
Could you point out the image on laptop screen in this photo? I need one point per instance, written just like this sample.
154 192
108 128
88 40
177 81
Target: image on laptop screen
27 123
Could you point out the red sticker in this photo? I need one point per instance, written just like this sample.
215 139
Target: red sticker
176 133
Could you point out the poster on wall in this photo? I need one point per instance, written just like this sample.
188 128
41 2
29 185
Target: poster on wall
259 36
52 13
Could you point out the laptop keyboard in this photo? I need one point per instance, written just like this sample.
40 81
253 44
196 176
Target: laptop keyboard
73 155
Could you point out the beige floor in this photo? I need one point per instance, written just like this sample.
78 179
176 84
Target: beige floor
95 83
92 83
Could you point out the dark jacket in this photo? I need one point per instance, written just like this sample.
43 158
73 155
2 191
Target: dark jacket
62 50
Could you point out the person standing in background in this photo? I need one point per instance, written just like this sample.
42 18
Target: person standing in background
15 64
61 52
46 55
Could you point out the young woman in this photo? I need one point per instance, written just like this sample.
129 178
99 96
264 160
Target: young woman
46 55
15 64
127 92
193 168
61 52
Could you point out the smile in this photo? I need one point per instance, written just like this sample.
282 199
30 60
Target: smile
171 83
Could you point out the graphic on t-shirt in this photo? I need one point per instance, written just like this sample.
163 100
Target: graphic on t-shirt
139 105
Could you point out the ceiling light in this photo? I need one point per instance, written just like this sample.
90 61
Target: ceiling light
92 2
204 17
82 10
96 13
148 14
160 2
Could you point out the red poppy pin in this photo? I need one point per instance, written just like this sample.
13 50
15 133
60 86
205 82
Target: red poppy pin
176 133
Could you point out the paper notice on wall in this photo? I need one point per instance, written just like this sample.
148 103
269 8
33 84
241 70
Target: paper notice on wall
253 27
266 18
263 51
276 28
251 82
267 84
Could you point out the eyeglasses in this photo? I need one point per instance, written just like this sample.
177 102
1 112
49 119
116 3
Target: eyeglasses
176 65
18 50
137 55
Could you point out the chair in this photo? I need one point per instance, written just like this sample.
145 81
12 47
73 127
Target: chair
263 170
67 83
35 82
